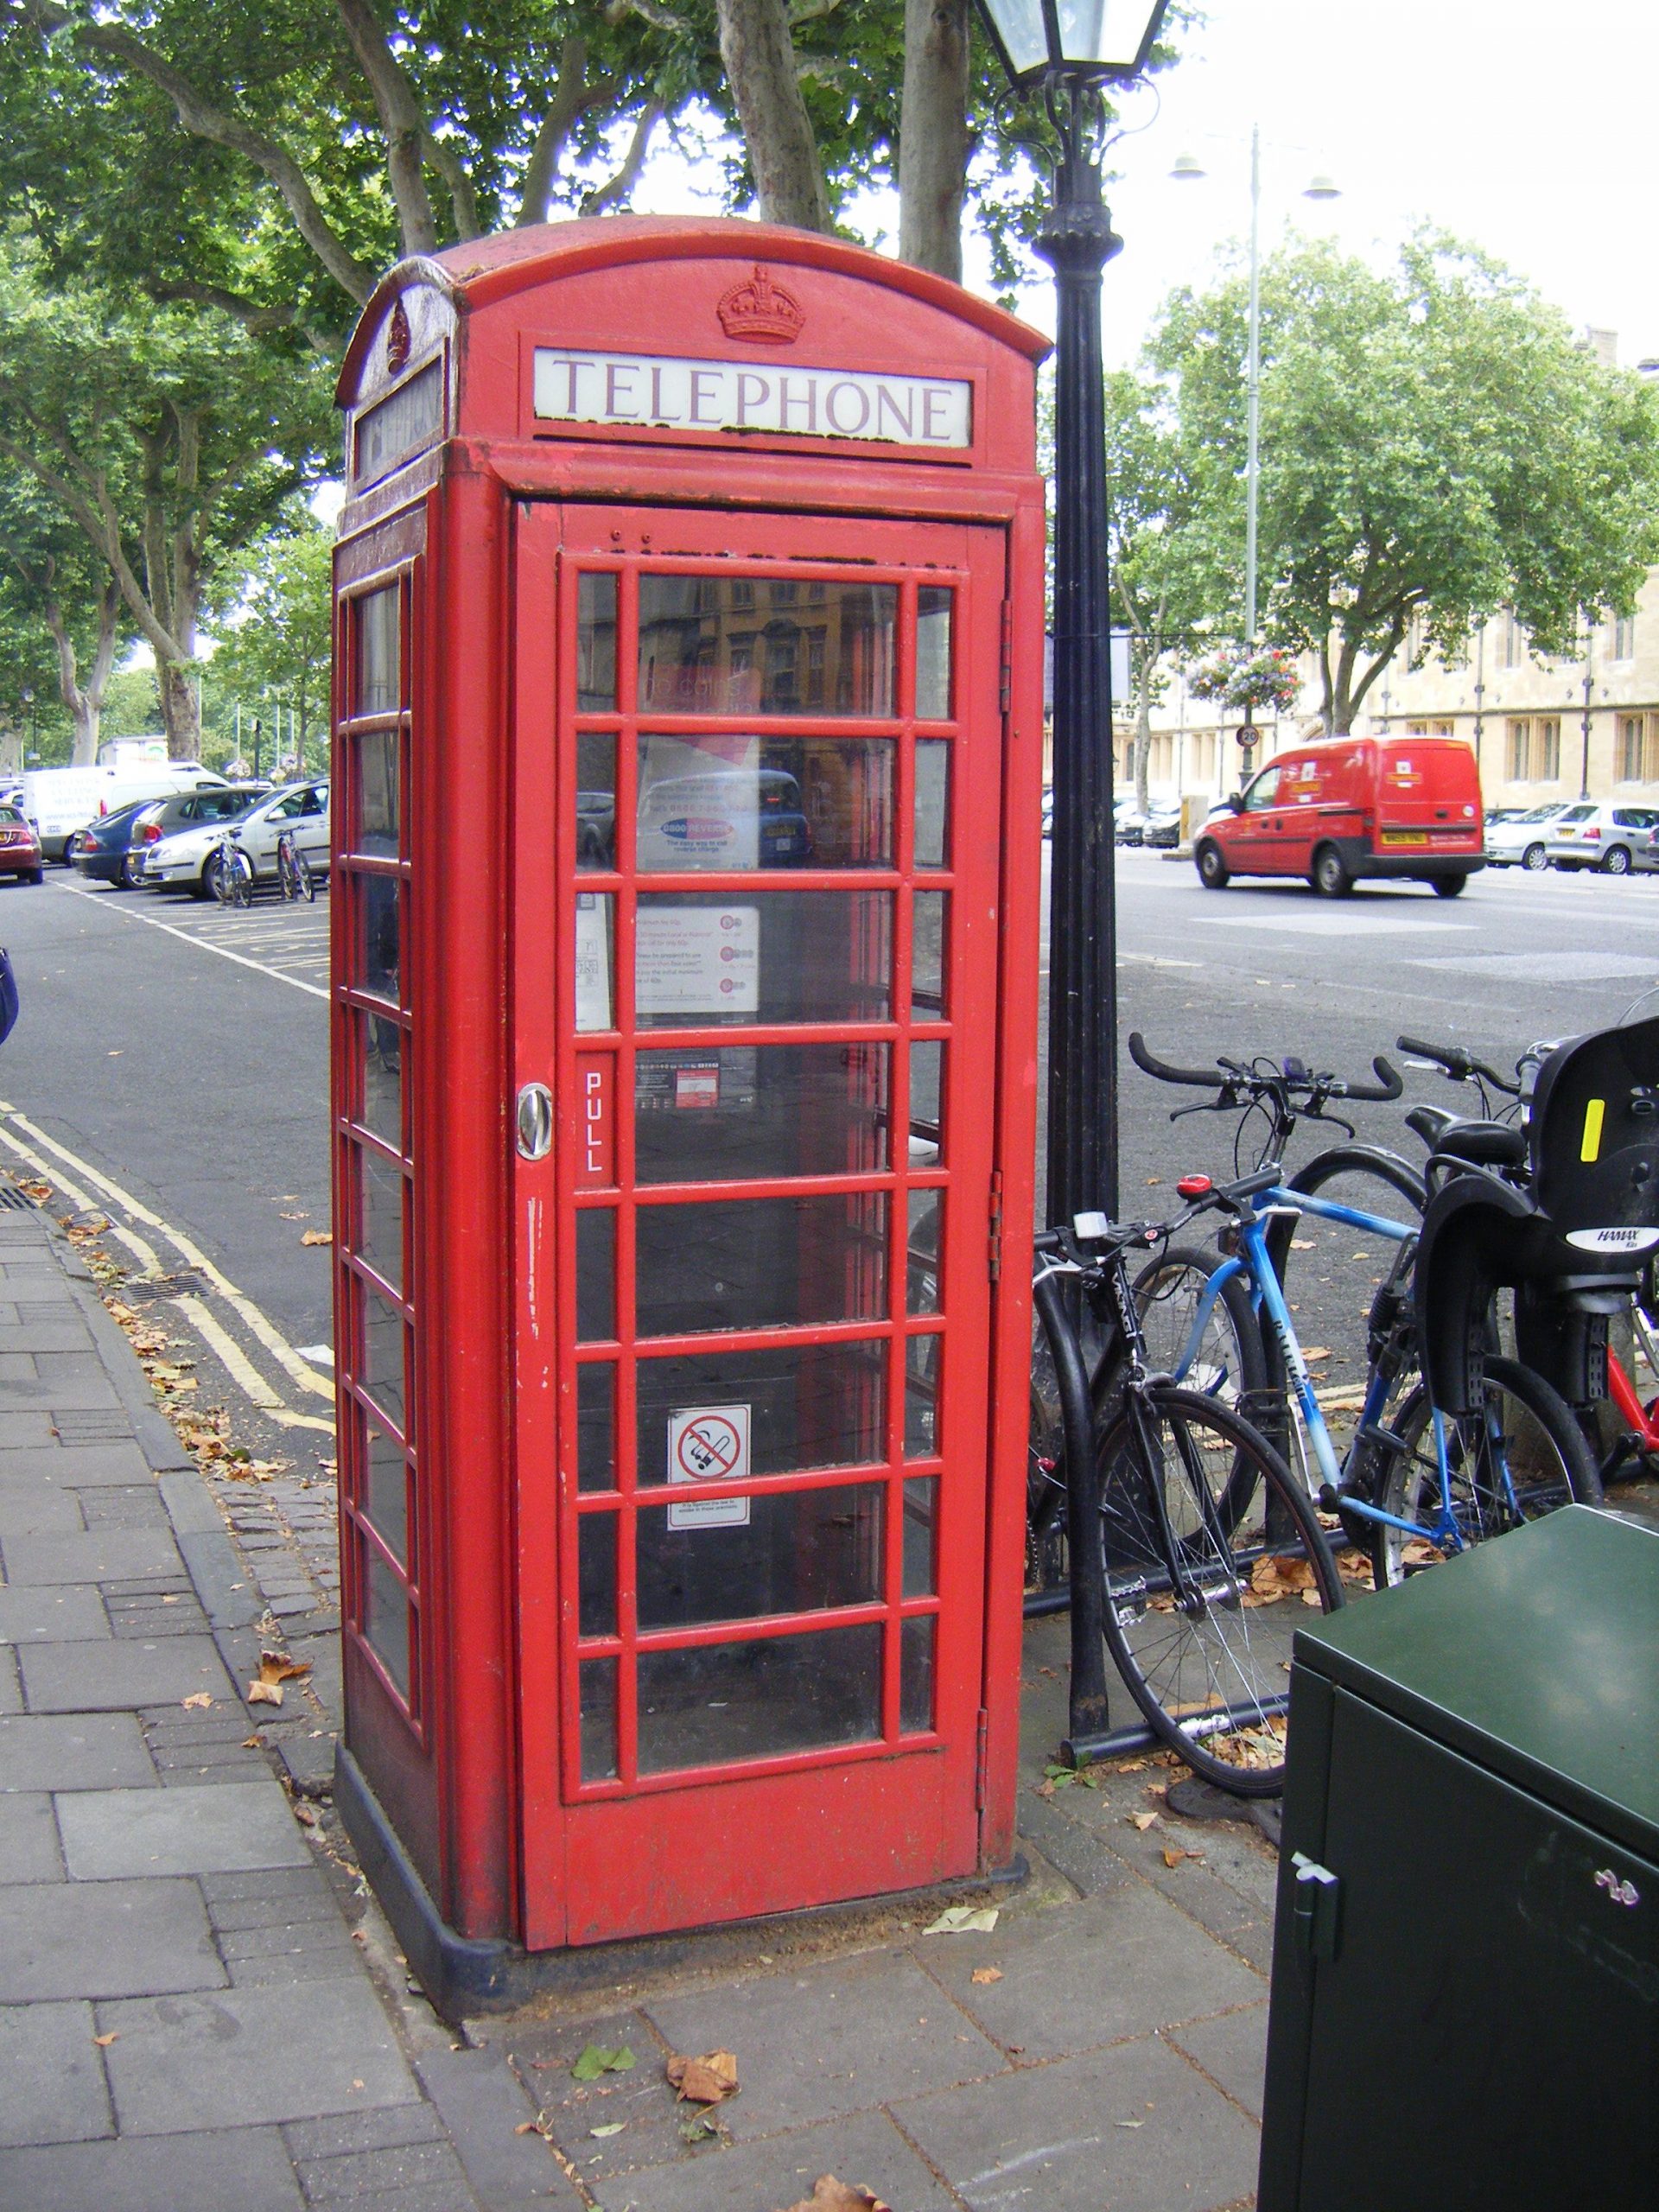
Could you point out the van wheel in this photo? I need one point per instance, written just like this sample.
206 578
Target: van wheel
1616 860
1213 873
1448 886
1331 878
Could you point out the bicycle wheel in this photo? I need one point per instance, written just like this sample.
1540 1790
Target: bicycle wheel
240 870
1227 1360
1198 1618
1522 1456
219 877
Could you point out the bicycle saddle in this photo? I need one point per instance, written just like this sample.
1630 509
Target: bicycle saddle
1482 1144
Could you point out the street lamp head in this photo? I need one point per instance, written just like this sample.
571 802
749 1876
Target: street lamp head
1187 168
1321 188
1089 40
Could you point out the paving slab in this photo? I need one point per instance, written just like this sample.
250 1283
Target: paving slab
864 2150
292 2052
104 1939
97 1555
11 1696
389 2177
1079 1975
1232 2050
53 2078
29 1838
125 1672
55 1614
1133 2128
190 1829
482 2104
34 1512
78 1751
838 2037
70 1466
231 2170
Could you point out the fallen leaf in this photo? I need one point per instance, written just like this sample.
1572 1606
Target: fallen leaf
200 1697
705 2081
987 1973
306 1814
829 2195
263 1693
611 2127
595 2060
1297 1244
701 2127
104 2042
278 1667
316 1236
1128 2123
254 1743
117 1054
1173 1856
963 1920
1317 1351
1142 1820
527 2127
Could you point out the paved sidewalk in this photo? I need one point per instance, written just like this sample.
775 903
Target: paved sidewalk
200 2010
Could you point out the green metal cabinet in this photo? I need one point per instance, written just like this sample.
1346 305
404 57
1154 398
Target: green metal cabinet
1466 1969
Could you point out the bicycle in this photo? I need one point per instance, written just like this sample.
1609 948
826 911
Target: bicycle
232 873
1196 1526
294 875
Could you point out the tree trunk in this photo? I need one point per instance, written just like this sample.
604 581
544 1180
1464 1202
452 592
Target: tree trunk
84 704
175 681
934 143
11 747
1142 728
760 58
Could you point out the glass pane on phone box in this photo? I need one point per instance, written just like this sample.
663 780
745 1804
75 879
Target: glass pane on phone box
379 674
595 1427
932 801
760 1264
382 1356
596 1575
801 1553
596 799
378 798
380 1219
923 1357
763 802
703 958
724 1702
809 1405
916 1643
594 941
385 1617
930 922
596 643
383 1056
597 1690
595 1274
375 942
765 644
737 1111
385 1485
921 1504
935 604
923 1243
926 1103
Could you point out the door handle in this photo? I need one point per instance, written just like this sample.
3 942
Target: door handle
535 1122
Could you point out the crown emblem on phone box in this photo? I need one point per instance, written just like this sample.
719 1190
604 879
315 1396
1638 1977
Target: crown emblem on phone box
761 310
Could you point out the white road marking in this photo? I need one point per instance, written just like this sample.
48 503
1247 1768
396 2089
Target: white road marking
266 1331
200 943
1328 924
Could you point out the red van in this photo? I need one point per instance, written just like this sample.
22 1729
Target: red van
1353 806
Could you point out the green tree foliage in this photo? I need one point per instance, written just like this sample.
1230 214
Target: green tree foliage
277 647
168 439
1434 448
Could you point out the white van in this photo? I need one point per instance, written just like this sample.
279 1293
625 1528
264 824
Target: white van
60 801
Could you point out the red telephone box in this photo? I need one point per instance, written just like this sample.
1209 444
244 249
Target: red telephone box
687 760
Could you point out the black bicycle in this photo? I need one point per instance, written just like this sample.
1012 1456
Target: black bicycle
231 872
1208 1550
294 876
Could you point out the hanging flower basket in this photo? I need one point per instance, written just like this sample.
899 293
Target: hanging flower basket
1267 679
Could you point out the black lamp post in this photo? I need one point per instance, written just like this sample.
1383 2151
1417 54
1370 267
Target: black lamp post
1070 50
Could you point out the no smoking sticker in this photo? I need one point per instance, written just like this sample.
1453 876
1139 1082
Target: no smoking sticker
708 1444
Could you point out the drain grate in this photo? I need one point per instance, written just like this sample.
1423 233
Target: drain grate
139 1290
18 1201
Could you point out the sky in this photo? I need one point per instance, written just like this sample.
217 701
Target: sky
1526 128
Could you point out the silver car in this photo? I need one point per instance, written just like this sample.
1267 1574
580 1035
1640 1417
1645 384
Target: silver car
1522 840
1608 838
184 861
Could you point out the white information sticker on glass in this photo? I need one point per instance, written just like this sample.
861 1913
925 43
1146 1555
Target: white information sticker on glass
697 960
708 1444
699 802
592 960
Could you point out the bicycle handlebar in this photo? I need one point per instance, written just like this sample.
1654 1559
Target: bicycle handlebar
1459 1064
1229 1074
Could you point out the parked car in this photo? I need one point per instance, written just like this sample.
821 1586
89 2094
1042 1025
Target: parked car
1517 839
1353 807
1048 811
183 861
165 818
101 851
1607 838
20 849
60 801
1162 826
